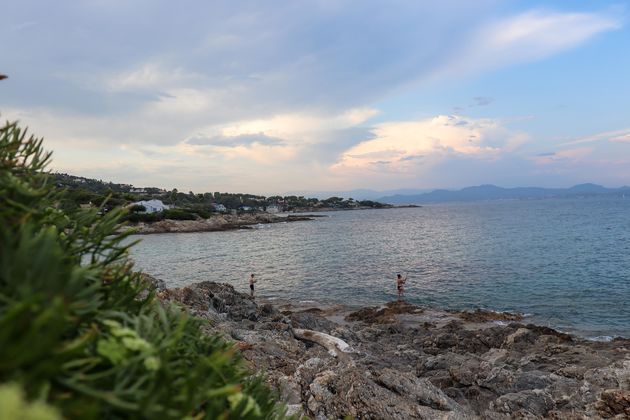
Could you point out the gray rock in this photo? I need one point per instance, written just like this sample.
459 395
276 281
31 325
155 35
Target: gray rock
294 410
532 380
311 321
535 402
290 391
423 391
406 369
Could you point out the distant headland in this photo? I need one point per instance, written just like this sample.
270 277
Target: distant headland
156 210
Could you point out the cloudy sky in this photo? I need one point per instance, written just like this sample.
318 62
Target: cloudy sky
275 96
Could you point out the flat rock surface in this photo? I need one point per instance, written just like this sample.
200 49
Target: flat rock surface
411 362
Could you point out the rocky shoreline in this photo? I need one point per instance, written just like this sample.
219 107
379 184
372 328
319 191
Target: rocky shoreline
214 223
401 361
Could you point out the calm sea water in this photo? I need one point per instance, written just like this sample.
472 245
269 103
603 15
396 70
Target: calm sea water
566 262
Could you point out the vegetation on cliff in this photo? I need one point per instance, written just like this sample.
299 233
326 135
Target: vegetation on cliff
81 190
80 337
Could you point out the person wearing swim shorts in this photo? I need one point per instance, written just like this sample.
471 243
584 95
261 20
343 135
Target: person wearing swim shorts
400 285
252 281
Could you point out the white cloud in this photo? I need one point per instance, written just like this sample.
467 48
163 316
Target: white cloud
111 85
525 37
292 125
623 138
615 136
402 146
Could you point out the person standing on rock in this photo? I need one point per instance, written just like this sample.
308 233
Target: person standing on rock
252 281
400 285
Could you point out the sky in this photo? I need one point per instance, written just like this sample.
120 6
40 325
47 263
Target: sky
269 97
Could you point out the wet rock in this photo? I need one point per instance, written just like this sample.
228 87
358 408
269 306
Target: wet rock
384 315
613 403
521 338
481 315
541 330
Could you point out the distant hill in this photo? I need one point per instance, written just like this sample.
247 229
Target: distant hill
492 192
81 191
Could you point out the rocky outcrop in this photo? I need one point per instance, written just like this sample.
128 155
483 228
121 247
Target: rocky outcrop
408 362
214 223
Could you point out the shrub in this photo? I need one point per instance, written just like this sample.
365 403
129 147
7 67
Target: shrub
204 214
178 214
143 217
13 406
75 334
137 208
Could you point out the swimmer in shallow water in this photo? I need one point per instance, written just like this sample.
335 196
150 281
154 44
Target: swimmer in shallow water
400 285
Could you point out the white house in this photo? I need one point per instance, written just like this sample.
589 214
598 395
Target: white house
152 206
274 208
219 207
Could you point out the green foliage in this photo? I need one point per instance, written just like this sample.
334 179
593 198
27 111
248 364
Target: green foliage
136 208
178 214
173 214
204 214
373 204
79 190
75 331
143 217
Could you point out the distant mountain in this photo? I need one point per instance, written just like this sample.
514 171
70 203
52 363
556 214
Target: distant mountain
492 192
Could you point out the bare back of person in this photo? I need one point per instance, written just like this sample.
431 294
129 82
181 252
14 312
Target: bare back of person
252 281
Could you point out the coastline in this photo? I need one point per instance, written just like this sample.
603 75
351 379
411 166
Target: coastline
213 224
223 222
399 360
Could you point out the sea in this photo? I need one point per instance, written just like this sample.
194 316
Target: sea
563 263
